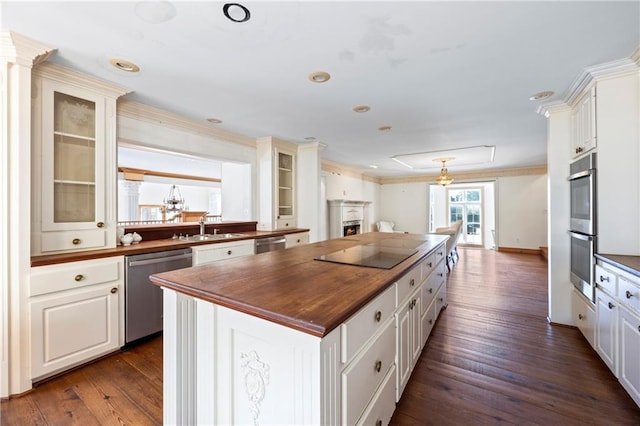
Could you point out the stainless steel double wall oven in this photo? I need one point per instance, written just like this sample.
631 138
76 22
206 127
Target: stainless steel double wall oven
583 223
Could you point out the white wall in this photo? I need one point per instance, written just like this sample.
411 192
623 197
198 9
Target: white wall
237 192
406 205
522 211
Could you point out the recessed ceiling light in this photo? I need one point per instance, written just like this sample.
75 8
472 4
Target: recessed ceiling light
319 76
361 108
236 12
541 95
124 65
214 120
373 166
384 128
310 138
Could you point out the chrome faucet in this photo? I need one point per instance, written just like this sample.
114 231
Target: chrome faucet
201 221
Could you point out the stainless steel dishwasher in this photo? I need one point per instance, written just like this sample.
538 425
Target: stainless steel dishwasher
269 244
143 300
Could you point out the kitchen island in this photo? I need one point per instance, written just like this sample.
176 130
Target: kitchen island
285 338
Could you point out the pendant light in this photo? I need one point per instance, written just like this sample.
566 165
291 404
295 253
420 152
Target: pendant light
444 179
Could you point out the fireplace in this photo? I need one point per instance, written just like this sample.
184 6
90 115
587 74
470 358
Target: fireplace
351 227
347 218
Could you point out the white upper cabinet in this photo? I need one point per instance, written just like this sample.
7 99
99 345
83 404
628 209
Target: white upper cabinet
276 184
74 161
583 124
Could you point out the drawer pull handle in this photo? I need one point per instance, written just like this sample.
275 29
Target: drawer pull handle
628 294
114 290
603 279
378 316
580 316
378 366
76 241
430 290
229 252
100 224
611 305
439 253
412 282
79 277
430 265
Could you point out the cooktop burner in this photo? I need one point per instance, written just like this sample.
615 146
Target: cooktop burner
384 254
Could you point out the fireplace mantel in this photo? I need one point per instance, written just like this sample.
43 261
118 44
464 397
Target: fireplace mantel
343 214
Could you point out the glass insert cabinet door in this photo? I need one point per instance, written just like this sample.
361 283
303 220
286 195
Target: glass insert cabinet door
285 185
73 159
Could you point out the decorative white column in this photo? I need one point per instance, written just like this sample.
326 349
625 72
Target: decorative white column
18 54
130 200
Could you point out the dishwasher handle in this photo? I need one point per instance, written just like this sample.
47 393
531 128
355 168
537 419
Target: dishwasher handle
270 241
134 263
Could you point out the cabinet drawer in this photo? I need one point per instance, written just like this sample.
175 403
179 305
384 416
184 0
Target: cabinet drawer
286 223
52 278
439 254
584 316
428 320
428 265
431 286
383 404
441 299
360 327
408 284
294 240
215 252
629 294
362 378
73 240
606 280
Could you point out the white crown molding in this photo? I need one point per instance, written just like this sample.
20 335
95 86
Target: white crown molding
149 114
15 47
549 107
469 177
72 77
341 169
601 71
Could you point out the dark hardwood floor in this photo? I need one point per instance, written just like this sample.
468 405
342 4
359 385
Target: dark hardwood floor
492 358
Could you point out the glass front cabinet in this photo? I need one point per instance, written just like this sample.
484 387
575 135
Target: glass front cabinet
74 161
277 184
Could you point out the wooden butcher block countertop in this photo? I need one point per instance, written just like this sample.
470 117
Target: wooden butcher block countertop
290 288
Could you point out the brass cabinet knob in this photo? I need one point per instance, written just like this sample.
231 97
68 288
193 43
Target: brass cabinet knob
628 294
580 316
79 277
430 290
114 290
603 279
378 422
430 321
441 299
100 224
378 316
76 241
298 241
412 282
229 252
611 305
430 265
378 366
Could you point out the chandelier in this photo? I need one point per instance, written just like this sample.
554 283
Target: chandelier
444 179
174 203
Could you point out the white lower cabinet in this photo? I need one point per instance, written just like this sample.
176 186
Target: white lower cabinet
584 316
219 251
617 331
75 312
606 329
227 367
629 366
409 339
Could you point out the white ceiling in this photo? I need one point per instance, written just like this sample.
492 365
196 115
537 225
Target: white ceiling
444 75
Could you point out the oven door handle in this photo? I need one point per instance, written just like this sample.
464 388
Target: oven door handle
584 173
580 236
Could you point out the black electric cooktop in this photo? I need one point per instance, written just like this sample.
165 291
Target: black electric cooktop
383 254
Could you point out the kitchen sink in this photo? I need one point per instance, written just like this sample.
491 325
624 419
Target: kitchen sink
210 237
